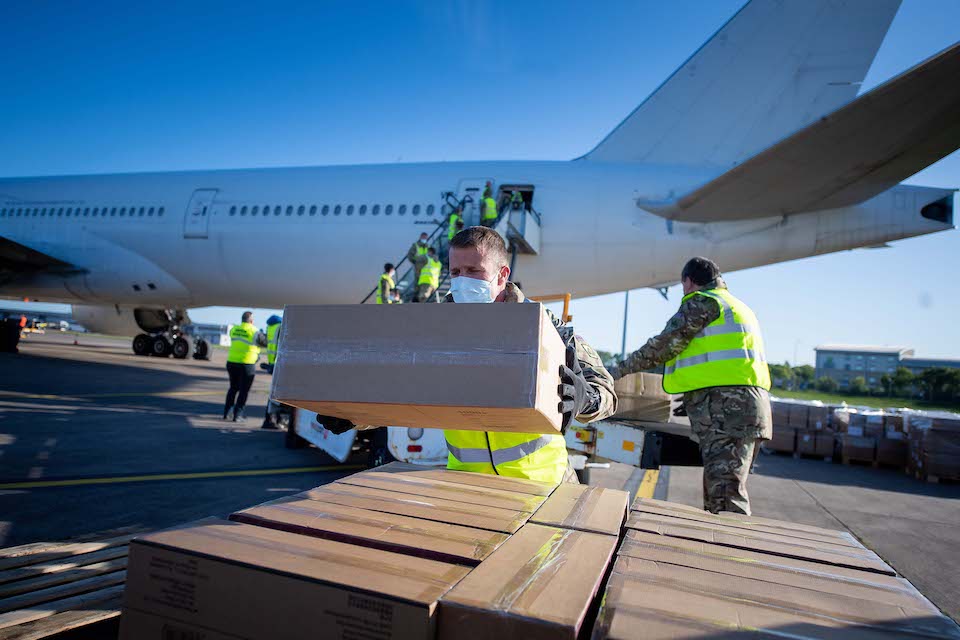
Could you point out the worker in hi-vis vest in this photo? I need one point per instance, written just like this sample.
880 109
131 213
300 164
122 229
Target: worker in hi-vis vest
488 208
479 268
417 255
456 218
712 353
273 335
429 277
385 284
242 358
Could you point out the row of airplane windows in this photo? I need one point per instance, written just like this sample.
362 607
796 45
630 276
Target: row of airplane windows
81 211
325 210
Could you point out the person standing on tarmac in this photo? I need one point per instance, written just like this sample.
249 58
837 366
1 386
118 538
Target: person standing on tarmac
385 284
245 343
713 354
273 335
429 277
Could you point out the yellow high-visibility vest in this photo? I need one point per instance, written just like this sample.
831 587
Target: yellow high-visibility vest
243 346
272 334
517 455
422 249
489 209
390 285
727 352
452 228
430 274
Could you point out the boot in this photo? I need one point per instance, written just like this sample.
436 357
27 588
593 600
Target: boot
238 415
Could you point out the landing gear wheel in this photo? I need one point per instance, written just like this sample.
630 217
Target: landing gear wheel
201 351
141 344
181 348
160 347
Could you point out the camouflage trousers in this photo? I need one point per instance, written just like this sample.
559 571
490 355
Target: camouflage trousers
726 465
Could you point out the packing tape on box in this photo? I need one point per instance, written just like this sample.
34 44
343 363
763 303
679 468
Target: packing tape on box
481 549
443 582
584 507
544 564
314 494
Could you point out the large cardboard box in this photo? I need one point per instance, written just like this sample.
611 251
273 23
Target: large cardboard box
434 488
585 508
934 444
774 543
861 448
251 583
376 529
488 480
493 367
423 507
670 601
539 584
641 397
892 452
797 415
819 417
784 439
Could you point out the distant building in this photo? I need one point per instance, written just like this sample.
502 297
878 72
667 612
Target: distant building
844 362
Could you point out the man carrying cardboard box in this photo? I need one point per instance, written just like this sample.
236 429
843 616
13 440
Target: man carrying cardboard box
479 269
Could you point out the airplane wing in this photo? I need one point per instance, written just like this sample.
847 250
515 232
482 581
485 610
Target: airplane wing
846 157
17 260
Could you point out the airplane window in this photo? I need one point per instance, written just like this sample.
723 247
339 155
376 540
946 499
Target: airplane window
325 210
69 211
289 210
59 212
123 211
376 210
313 210
430 209
387 210
336 210
300 210
86 212
243 211
402 210
255 210
350 210
96 211
233 210
160 213
416 209
37 210
150 211
266 209
363 210
141 212
276 210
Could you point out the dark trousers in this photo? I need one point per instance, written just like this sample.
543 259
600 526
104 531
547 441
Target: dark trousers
241 379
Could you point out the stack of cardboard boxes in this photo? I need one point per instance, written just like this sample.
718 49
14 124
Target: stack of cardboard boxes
683 573
398 552
934 445
801 427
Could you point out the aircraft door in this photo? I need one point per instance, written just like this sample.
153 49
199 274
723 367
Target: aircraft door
471 190
197 218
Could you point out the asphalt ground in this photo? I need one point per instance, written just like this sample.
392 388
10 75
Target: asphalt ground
94 438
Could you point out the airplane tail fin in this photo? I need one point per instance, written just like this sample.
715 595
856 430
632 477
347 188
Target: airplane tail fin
772 69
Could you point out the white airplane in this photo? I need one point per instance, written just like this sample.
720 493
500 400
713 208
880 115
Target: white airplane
756 150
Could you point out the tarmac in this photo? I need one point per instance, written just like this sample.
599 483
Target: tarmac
94 438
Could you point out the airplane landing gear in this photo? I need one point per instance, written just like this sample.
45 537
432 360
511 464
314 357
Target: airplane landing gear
180 348
141 344
201 350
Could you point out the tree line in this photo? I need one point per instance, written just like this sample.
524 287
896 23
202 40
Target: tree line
936 384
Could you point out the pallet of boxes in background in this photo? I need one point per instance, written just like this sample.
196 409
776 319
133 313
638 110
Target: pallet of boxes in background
933 445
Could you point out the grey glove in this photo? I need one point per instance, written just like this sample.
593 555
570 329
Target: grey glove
576 394
335 425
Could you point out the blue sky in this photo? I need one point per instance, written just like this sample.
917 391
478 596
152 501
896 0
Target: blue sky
117 86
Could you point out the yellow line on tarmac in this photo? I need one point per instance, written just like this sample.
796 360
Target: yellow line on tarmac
37 484
648 484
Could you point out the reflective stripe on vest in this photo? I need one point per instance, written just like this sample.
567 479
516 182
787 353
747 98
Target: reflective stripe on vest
727 352
490 210
390 285
272 332
430 273
521 455
243 348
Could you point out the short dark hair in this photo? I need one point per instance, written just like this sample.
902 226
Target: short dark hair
387 267
700 270
247 316
431 251
487 241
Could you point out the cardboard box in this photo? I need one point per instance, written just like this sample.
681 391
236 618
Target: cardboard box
797 415
488 480
863 448
806 442
784 440
707 605
432 488
251 583
824 446
537 585
585 508
892 452
375 529
425 508
819 417
641 397
481 367
778 544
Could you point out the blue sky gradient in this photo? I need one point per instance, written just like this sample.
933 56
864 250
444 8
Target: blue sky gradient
117 87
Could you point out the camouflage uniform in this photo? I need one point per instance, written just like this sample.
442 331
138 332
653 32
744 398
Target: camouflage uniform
596 375
730 422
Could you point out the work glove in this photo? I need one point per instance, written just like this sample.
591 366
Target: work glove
335 426
576 394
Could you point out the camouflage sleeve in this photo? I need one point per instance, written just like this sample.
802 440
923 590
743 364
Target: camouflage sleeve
412 253
694 314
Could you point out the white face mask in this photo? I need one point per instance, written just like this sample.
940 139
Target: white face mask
467 290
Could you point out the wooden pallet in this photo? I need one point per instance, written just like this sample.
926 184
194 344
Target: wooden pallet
49 588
